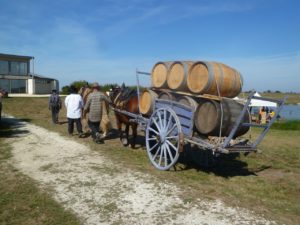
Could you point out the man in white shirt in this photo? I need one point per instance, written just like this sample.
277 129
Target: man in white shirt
74 105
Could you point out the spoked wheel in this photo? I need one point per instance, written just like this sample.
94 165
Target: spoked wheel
162 138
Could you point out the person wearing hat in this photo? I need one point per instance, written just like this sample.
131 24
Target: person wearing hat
74 105
54 105
94 107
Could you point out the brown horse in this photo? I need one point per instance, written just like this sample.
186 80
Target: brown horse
125 99
105 122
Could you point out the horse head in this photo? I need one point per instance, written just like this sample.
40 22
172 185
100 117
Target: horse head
114 92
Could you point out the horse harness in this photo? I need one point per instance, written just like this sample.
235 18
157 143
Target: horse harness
123 97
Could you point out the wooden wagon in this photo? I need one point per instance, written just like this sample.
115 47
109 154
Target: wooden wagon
170 127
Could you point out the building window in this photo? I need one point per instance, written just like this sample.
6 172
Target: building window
5 85
17 86
40 81
23 68
18 68
4 67
13 86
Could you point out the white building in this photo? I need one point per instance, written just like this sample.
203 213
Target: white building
16 76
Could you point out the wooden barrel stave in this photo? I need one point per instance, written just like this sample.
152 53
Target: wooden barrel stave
208 117
147 100
159 74
177 75
214 78
188 101
167 95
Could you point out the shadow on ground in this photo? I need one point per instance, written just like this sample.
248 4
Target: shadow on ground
12 127
203 160
192 158
139 142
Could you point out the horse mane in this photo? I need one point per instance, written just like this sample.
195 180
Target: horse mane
123 96
84 92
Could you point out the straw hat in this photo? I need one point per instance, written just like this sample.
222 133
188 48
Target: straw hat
95 85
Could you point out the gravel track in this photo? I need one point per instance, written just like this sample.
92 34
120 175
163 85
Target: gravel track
100 192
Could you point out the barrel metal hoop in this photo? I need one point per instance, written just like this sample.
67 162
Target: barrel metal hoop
211 73
222 78
233 84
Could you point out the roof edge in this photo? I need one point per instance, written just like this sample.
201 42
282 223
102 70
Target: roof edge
16 56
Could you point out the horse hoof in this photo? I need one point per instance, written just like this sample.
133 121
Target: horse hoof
125 141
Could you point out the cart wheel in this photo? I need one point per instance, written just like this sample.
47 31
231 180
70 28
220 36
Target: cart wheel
162 138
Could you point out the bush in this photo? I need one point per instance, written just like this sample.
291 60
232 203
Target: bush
104 87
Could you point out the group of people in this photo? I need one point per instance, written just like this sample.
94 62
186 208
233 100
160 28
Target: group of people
265 114
76 108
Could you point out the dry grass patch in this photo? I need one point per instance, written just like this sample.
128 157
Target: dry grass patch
21 202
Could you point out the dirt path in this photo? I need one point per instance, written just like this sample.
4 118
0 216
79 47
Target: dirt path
100 192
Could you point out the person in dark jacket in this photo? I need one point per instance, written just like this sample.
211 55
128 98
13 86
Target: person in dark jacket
54 105
1 95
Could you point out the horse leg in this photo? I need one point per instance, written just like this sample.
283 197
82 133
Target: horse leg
134 134
125 140
119 125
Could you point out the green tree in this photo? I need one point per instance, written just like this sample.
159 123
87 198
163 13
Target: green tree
103 87
65 90
76 84
79 84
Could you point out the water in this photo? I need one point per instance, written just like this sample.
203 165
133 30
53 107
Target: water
290 112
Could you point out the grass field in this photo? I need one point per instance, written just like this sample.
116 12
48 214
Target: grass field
267 183
21 202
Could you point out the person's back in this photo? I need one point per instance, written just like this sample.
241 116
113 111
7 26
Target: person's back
54 105
54 101
1 95
95 107
74 104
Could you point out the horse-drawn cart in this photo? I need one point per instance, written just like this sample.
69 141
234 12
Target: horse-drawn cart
171 126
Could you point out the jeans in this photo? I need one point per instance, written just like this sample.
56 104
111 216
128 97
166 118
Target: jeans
71 125
94 126
55 111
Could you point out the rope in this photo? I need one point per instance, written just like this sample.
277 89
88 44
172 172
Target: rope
221 123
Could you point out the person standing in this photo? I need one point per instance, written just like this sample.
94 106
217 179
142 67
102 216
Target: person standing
94 107
1 95
74 105
54 105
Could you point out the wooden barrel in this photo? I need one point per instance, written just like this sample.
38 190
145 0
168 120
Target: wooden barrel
164 94
208 117
188 101
147 100
159 74
207 77
177 75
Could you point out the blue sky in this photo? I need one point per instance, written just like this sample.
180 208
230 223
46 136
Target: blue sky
106 40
